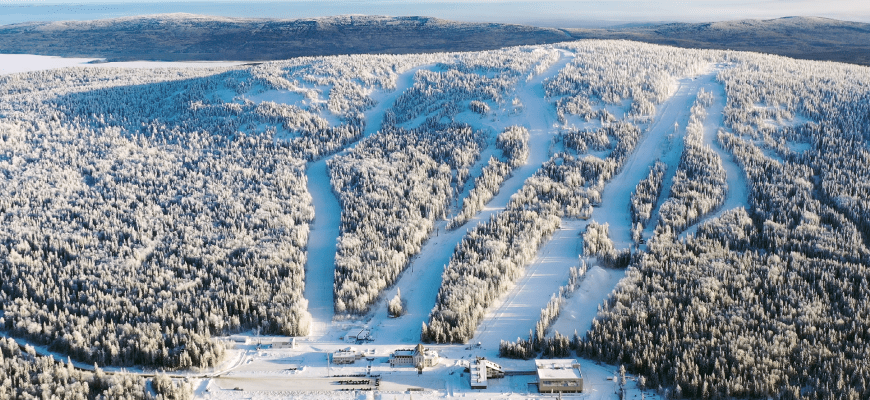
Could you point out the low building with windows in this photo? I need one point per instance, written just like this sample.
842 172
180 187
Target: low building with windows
419 357
560 375
346 356
481 371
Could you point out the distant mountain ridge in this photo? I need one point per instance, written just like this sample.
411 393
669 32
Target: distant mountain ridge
173 37
810 38
187 37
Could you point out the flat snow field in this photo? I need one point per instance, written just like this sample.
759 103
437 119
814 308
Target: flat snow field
14 63
303 373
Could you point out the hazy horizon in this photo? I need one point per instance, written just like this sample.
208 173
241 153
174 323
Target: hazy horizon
553 13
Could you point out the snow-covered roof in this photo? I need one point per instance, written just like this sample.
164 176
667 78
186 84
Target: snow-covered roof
558 369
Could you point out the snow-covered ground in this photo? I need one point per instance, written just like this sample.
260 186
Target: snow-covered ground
320 267
521 307
581 307
13 63
303 373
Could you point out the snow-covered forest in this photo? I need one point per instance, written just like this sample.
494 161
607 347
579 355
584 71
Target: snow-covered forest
148 212
768 300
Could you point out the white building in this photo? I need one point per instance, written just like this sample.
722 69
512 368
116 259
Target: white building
559 376
418 357
346 356
481 370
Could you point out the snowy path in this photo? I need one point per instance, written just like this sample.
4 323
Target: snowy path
737 194
324 231
420 282
657 142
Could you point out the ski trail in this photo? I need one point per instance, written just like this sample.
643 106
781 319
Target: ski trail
616 198
322 235
420 282
658 143
324 230
521 308
736 195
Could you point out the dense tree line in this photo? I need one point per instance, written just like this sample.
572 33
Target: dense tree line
645 197
336 89
392 187
161 207
479 107
512 62
494 254
486 186
581 140
167 389
24 375
514 144
443 90
612 71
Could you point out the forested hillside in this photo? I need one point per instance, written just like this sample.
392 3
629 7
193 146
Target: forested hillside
767 301
147 213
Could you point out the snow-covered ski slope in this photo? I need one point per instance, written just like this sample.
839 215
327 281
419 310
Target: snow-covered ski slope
325 228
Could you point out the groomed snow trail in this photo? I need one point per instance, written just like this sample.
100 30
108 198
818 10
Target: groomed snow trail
324 231
658 142
737 194
522 306
420 282
320 266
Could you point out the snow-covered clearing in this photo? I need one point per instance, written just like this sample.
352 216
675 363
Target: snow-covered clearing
420 282
13 63
324 231
659 142
521 308
737 193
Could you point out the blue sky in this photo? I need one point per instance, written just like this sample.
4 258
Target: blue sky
542 12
